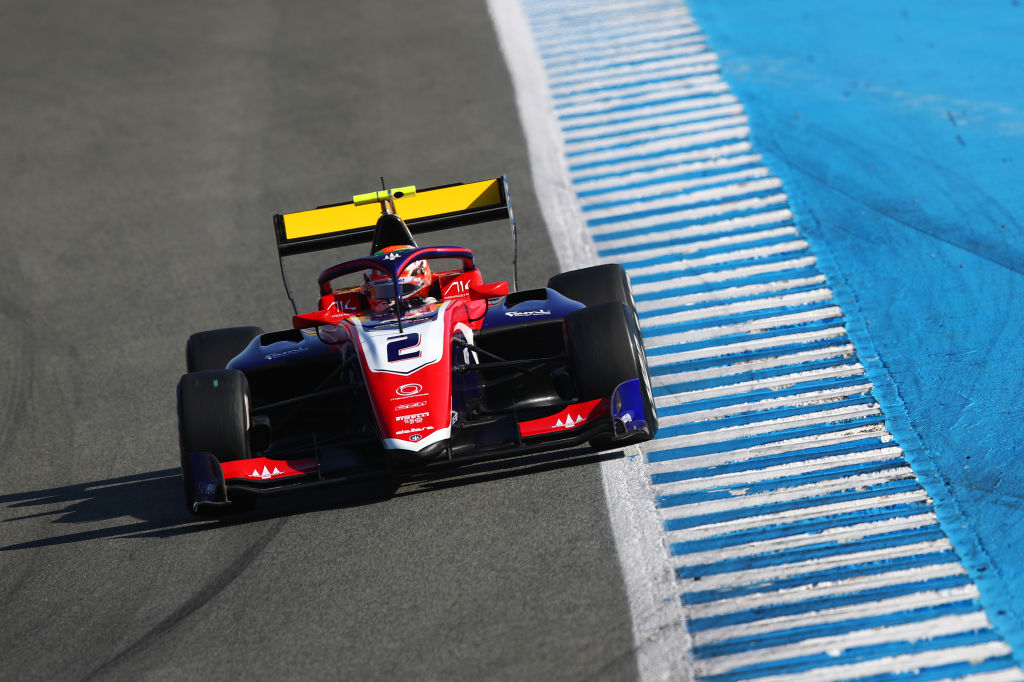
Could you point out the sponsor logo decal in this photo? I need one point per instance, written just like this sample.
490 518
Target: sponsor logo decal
265 474
418 429
527 313
409 406
416 418
457 288
572 417
409 389
569 422
285 353
415 437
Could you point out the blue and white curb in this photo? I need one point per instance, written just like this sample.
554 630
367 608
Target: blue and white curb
774 530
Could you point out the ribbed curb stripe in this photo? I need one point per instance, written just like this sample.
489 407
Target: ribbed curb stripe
774 530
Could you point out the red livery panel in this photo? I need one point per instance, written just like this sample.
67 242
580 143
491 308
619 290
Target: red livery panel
571 417
261 468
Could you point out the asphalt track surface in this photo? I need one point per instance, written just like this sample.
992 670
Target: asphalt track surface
145 148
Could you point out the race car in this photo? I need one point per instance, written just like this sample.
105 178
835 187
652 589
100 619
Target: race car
410 360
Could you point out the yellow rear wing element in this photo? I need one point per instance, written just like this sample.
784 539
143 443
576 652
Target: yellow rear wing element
353 222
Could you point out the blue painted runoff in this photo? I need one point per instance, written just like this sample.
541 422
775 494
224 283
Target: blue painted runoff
898 130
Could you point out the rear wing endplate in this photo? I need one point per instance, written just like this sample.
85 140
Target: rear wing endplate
426 210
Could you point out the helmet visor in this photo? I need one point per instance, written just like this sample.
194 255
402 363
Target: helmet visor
385 288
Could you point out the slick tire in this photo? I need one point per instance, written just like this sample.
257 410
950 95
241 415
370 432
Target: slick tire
605 349
595 285
213 417
215 348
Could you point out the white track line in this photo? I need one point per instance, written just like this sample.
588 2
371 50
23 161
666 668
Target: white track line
780 447
718 581
835 588
750 327
797 400
834 646
790 494
737 292
759 521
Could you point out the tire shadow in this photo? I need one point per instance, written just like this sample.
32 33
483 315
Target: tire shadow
150 504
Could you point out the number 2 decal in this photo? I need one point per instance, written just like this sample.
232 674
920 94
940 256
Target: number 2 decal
403 347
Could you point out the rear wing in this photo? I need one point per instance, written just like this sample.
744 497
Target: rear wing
427 210
424 210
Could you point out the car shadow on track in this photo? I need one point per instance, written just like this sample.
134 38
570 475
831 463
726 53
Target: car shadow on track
150 504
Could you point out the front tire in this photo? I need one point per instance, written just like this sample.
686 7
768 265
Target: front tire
213 417
605 349
214 349
595 285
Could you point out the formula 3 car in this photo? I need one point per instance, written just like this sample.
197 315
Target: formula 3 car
411 359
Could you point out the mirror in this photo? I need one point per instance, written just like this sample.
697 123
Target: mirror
491 290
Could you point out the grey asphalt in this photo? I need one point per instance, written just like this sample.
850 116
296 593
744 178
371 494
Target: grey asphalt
145 147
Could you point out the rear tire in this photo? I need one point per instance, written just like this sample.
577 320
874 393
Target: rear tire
213 417
216 348
605 349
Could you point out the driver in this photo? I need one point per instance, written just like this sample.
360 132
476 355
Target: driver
413 282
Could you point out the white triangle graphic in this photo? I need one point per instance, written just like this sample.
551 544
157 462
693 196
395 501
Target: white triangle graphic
255 473
559 422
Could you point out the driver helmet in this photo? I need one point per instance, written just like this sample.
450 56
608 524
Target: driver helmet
413 282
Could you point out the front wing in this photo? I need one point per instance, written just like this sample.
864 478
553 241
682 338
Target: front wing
617 417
